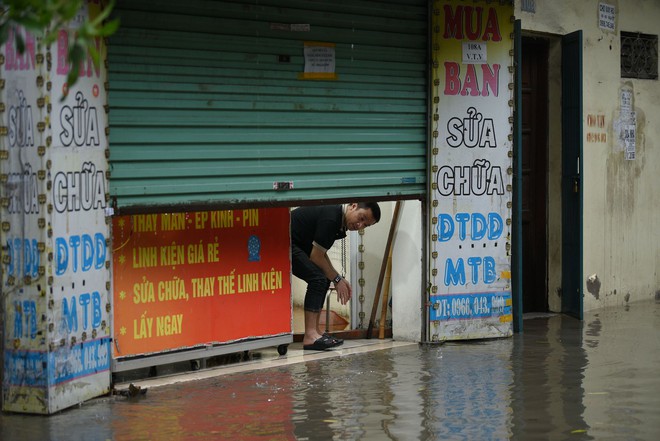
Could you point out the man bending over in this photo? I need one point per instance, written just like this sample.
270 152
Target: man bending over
313 231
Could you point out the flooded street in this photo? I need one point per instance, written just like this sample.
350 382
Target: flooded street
560 380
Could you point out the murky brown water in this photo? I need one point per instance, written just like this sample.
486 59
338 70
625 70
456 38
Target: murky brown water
560 380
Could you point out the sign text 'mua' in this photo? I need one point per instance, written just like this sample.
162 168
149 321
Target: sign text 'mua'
473 23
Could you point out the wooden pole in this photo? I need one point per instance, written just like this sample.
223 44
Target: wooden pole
383 268
386 287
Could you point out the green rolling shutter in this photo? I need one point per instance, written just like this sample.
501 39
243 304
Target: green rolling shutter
207 104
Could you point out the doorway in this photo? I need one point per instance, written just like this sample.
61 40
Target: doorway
534 192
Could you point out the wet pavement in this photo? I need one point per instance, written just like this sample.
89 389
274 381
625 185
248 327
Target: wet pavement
560 380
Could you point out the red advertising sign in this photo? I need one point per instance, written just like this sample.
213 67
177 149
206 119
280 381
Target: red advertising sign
188 279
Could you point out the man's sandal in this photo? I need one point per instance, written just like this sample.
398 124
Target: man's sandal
321 344
340 341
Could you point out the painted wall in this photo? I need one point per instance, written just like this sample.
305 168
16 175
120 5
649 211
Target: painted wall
621 247
55 268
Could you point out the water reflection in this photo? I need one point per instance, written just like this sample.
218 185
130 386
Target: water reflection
548 366
621 380
242 407
561 379
469 395
346 398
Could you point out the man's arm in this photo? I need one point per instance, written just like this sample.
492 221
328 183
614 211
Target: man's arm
320 258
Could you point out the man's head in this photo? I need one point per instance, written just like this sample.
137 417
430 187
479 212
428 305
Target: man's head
361 215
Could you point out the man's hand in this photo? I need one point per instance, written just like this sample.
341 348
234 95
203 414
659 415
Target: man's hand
344 291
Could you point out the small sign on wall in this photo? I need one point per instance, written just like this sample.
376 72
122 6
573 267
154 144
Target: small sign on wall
625 126
319 61
474 52
629 136
528 6
606 17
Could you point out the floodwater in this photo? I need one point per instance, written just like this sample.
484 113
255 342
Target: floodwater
560 380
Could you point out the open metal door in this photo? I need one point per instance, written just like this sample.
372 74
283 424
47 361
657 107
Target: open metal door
572 174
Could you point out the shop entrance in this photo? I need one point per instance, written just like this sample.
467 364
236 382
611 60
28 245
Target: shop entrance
534 173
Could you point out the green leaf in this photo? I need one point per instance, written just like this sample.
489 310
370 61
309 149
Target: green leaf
86 30
20 43
32 24
72 76
4 32
110 28
76 53
105 13
70 8
91 49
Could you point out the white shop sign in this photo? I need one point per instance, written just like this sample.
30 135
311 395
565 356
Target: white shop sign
471 194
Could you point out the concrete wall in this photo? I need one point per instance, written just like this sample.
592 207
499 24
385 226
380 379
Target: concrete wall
621 201
407 265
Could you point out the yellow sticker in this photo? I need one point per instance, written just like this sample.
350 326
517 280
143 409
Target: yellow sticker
317 76
506 318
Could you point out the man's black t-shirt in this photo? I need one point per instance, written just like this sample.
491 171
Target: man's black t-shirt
321 224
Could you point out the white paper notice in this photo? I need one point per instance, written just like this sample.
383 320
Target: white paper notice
474 53
629 135
626 103
319 58
606 17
